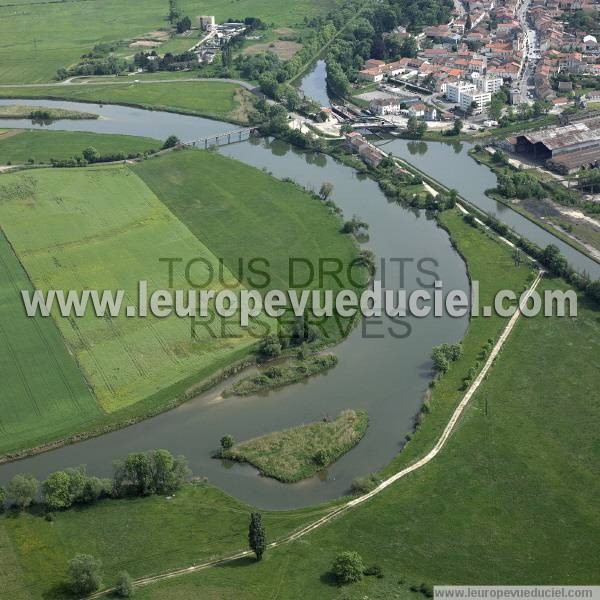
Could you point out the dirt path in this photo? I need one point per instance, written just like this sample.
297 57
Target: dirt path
441 442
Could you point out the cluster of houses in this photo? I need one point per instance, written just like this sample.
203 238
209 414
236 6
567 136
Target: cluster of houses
563 48
472 56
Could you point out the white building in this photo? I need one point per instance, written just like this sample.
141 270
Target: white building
385 106
454 91
489 84
206 23
481 99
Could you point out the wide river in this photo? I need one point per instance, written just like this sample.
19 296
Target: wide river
379 371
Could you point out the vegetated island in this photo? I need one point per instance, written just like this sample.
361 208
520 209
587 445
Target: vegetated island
42 113
278 376
294 454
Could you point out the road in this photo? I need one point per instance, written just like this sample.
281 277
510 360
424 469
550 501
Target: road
439 445
530 51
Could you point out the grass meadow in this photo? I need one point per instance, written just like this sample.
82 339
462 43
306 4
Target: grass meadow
103 229
140 535
242 213
40 37
41 145
42 387
215 99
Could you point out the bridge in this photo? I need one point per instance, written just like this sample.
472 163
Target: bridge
222 139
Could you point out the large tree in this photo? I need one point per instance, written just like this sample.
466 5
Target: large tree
256 535
23 489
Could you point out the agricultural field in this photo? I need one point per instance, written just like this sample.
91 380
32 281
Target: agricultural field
72 230
41 145
41 37
75 232
42 387
254 203
216 99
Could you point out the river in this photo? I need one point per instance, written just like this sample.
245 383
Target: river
378 371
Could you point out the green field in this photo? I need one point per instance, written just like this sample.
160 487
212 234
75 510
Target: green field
517 480
300 452
215 99
197 523
42 388
238 206
103 229
43 145
40 37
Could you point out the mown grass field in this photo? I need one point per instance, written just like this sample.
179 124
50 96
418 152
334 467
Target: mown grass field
40 37
215 99
140 535
103 229
43 145
292 454
243 214
42 387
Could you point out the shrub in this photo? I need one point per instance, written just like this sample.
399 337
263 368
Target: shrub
227 442
348 567
322 457
124 586
364 484
84 574
374 571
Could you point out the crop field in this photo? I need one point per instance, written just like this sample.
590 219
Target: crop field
204 98
41 145
40 37
241 213
103 229
42 388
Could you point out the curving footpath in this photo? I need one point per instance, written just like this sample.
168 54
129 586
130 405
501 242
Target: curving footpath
458 411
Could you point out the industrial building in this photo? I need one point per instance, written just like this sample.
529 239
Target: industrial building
565 149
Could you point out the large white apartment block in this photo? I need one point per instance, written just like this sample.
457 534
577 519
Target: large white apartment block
481 99
455 90
489 84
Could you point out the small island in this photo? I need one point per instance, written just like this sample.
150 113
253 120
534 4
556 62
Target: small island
42 113
300 452
277 376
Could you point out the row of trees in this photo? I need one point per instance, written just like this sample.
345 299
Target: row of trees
139 474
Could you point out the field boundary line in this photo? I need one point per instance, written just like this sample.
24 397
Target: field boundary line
441 442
